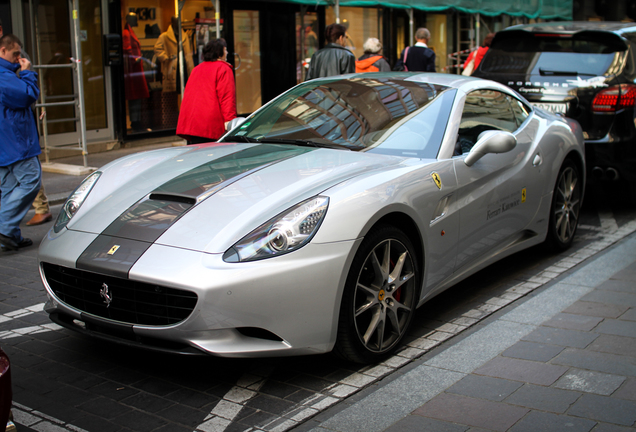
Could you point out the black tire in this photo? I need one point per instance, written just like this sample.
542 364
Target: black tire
379 298
565 208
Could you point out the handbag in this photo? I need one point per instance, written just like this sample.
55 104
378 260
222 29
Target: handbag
468 70
401 64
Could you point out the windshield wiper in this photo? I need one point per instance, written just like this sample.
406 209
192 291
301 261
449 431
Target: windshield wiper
241 138
306 143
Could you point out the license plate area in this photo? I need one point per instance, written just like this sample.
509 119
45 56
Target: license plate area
556 108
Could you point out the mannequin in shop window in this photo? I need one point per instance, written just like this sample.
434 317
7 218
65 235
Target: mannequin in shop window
167 51
134 78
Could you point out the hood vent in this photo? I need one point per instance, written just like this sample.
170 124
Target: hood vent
173 198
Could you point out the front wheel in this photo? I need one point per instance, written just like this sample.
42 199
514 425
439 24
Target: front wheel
566 206
380 297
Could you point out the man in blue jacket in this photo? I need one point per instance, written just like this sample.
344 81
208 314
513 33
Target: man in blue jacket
20 171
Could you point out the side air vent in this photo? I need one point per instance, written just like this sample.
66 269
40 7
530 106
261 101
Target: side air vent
258 333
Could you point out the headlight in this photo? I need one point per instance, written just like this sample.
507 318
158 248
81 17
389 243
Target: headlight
74 202
286 232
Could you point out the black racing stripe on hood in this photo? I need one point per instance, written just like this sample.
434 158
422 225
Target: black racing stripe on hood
126 239
111 255
201 179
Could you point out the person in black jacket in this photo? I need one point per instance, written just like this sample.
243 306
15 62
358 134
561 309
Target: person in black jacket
334 58
419 57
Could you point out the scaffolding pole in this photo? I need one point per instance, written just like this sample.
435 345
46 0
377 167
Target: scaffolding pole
411 28
80 79
217 18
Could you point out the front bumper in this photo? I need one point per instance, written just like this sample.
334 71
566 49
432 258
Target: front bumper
286 305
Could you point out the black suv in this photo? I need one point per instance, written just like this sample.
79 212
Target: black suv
584 70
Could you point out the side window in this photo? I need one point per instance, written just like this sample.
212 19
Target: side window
521 111
484 110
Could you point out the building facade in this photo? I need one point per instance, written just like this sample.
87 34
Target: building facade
136 55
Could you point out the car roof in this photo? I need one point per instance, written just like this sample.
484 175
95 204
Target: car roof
464 84
572 27
444 79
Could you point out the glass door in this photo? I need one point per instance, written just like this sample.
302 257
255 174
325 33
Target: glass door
49 40
247 61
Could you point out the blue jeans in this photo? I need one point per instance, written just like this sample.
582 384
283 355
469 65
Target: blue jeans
20 183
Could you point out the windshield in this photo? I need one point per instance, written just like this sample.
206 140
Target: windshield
547 54
383 114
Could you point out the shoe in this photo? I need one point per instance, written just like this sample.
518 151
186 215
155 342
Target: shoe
8 243
40 219
21 244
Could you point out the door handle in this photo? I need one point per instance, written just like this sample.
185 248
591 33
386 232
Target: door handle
537 160
239 59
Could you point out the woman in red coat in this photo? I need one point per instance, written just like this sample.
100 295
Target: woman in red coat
209 99
477 55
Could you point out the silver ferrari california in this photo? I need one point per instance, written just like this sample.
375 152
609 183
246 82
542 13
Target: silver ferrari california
319 223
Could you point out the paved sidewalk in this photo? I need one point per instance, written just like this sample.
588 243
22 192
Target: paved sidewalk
563 360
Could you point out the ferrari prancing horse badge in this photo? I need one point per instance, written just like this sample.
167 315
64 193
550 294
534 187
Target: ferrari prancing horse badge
437 179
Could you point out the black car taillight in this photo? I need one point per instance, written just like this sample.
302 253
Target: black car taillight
615 98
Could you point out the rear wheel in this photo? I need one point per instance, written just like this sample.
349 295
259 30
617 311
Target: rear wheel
566 206
380 297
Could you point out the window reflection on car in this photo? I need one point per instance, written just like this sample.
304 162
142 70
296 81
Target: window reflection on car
379 115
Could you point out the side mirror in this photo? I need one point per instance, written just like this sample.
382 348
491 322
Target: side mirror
235 122
491 142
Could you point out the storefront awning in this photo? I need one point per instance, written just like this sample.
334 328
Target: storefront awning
532 9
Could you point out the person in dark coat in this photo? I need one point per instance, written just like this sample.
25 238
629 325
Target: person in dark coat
334 58
419 57
372 60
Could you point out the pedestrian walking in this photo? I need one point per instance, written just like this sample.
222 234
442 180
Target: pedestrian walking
474 58
20 170
372 60
419 57
41 202
209 99
334 58
42 209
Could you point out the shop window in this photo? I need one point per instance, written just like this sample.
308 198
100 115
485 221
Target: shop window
248 60
436 24
153 68
307 42
361 24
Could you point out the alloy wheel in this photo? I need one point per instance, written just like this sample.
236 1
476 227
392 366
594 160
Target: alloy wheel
384 297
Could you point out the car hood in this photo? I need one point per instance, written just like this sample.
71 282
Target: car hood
208 197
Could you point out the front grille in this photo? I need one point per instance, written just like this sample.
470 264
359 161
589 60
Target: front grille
131 302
